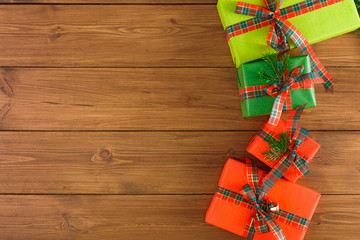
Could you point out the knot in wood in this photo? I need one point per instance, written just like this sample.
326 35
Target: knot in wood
102 155
230 152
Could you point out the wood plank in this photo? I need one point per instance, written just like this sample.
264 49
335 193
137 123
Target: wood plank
130 36
130 217
155 99
110 1
153 162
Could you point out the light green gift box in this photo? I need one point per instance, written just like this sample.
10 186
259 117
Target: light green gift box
316 26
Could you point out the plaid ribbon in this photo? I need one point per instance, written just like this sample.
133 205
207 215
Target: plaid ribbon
252 197
281 28
281 91
298 136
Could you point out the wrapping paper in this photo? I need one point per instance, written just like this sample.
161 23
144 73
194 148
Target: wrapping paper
291 197
248 76
306 150
316 26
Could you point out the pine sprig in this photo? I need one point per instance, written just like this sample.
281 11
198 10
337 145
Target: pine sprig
278 148
274 68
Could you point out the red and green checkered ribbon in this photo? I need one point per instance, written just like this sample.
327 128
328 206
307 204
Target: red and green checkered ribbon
252 197
297 136
281 28
281 90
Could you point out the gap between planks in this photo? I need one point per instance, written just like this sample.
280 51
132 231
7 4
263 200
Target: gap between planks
149 67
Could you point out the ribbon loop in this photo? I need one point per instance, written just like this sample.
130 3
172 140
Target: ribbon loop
256 11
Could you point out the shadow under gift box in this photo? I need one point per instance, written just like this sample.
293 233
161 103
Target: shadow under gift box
247 75
289 196
258 146
316 26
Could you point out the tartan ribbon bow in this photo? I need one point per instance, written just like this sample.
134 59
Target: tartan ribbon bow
263 218
253 197
281 28
281 90
297 137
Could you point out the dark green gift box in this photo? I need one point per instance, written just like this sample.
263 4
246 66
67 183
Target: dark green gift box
248 76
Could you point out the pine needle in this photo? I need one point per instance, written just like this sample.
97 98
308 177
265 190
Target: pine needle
278 148
274 69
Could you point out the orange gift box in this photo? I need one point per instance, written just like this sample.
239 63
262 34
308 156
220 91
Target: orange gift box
290 197
306 150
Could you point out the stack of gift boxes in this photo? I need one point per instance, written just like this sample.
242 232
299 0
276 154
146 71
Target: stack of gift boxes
248 201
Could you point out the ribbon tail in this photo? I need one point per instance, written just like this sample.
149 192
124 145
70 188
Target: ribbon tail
274 227
253 176
278 108
261 224
301 166
276 173
287 102
311 77
276 230
292 123
305 48
249 230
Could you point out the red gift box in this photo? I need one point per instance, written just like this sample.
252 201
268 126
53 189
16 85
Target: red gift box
233 216
306 150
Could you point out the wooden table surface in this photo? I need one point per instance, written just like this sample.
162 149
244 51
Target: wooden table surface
118 116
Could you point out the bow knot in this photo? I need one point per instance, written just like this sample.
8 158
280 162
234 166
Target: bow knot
274 16
261 205
278 88
264 206
296 139
262 211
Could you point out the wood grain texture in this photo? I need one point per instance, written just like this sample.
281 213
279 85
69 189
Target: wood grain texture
87 92
147 217
110 1
156 99
130 36
153 162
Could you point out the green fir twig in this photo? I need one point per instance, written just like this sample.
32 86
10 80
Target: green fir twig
278 148
274 68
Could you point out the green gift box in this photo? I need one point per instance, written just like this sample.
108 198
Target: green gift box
316 26
248 76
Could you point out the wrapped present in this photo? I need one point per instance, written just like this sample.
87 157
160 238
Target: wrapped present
295 88
255 27
285 147
254 205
